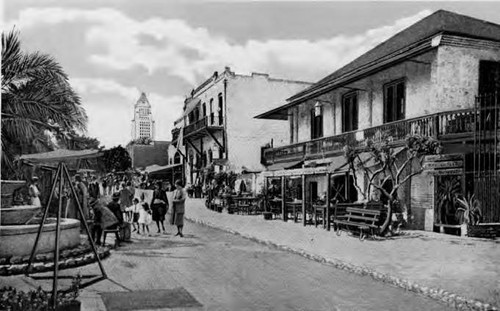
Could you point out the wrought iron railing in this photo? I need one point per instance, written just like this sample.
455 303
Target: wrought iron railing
442 126
207 121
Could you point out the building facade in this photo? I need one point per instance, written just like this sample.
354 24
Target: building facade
439 78
143 125
217 128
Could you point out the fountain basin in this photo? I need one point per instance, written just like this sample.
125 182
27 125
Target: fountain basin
18 214
18 240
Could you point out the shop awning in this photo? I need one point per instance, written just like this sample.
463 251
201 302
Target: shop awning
157 169
285 166
61 155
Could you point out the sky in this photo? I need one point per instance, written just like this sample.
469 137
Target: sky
113 50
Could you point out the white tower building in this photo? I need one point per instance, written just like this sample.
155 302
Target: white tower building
143 124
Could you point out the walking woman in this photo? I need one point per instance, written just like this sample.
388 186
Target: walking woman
159 206
179 198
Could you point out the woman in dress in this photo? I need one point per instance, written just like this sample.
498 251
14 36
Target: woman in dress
159 206
34 192
178 200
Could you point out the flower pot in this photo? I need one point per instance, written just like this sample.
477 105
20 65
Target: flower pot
463 230
74 305
267 215
8 187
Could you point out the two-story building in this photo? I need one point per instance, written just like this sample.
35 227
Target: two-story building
439 77
218 128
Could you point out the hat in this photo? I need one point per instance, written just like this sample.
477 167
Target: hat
116 195
34 178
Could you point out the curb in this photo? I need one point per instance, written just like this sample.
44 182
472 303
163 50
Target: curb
453 300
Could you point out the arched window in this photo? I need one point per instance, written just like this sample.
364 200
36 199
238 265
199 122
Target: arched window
211 111
220 110
204 110
177 158
210 156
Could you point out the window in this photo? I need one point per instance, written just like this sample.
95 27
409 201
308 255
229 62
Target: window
294 125
350 112
211 111
489 77
394 101
204 110
316 123
220 109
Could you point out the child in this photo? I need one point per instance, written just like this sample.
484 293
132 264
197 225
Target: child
145 217
135 209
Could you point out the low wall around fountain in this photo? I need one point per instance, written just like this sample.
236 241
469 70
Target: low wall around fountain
18 214
18 240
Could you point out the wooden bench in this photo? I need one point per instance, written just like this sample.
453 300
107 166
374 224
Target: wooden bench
365 220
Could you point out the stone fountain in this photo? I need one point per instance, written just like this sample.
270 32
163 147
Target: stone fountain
19 226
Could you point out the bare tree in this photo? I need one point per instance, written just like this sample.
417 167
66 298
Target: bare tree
386 163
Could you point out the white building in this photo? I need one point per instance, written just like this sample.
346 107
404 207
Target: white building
143 124
217 125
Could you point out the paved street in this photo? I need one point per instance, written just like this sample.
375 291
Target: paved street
227 272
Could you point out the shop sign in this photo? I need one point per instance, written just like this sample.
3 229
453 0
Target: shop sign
455 171
447 164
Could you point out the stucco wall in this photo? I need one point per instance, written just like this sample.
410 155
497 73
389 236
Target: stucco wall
457 76
248 96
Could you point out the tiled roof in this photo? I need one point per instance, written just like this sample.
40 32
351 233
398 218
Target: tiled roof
439 22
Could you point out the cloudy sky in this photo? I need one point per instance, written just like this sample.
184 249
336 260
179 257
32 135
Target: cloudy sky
114 49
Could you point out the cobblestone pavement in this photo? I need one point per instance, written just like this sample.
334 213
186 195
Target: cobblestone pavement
223 271
446 267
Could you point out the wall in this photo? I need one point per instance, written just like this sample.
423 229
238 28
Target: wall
145 155
457 78
248 96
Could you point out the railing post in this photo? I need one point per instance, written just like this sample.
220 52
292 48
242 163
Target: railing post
435 127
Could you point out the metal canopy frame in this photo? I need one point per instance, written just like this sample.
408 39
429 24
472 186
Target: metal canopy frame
62 174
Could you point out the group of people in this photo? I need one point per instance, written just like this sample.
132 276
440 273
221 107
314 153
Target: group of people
131 207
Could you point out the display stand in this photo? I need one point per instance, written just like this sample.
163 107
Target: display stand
59 179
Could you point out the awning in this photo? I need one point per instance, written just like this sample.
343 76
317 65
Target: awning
285 166
61 155
157 169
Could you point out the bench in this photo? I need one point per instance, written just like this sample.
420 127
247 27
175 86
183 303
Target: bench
365 220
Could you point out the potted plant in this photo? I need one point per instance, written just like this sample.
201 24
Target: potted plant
468 213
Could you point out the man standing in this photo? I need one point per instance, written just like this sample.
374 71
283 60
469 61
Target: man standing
83 194
94 188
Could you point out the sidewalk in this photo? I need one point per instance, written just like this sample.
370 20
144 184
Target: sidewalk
464 272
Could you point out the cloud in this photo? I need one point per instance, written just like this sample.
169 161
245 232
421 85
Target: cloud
191 52
109 106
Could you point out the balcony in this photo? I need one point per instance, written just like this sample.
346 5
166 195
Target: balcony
457 125
175 134
200 127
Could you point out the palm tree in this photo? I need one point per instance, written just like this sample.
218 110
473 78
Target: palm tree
37 102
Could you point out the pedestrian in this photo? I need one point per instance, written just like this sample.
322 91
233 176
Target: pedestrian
159 206
34 192
135 209
104 186
83 196
178 200
131 190
145 218
94 188
125 200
